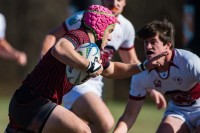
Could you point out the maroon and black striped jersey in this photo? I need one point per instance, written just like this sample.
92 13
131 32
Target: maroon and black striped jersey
48 78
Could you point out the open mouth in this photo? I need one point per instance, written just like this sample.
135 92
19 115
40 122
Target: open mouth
149 52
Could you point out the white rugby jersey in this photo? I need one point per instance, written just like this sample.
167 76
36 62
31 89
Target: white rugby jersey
180 83
2 26
123 36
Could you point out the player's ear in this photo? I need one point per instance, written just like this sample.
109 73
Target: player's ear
168 45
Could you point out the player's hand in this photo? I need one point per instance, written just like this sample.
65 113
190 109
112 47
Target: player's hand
94 69
21 58
153 62
158 98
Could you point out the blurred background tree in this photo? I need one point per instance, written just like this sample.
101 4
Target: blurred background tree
28 21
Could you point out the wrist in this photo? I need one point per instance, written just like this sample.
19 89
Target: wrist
93 67
142 66
17 55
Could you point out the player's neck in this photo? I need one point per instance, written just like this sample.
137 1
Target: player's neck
91 36
166 62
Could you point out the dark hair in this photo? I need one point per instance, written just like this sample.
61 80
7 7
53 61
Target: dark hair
164 29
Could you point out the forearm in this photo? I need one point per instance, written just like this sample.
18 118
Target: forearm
125 122
65 52
49 41
7 51
119 70
129 116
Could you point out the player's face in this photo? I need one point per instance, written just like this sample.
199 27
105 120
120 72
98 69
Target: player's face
116 6
154 46
107 36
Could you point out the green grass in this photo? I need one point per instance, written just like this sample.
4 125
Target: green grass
4 102
147 121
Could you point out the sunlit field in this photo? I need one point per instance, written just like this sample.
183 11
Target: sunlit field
147 121
3 113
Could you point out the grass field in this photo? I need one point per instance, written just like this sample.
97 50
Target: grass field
147 121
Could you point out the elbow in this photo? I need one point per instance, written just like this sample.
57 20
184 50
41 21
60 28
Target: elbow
107 74
55 50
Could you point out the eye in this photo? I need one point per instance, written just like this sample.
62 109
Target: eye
153 42
110 31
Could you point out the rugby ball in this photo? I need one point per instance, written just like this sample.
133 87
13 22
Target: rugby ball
91 52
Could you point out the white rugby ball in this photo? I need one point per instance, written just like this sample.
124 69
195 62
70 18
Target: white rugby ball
91 52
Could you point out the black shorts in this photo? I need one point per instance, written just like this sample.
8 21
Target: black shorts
28 111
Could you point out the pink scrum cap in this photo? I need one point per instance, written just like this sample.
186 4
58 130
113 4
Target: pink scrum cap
97 18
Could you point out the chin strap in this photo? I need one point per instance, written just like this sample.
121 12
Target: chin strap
98 43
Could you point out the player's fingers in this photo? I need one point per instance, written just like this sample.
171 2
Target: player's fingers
159 56
99 61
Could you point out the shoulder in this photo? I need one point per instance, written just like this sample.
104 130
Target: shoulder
126 26
139 84
2 18
186 58
79 33
74 22
77 36
185 54
140 77
2 26
124 22
1 15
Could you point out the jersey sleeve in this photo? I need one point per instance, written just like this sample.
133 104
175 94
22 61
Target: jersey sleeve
74 22
2 26
194 67
137 89
77 37
129 36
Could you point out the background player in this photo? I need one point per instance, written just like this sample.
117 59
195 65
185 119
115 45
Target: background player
6 50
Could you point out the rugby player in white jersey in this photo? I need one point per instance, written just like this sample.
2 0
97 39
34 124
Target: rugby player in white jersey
87 103
177 76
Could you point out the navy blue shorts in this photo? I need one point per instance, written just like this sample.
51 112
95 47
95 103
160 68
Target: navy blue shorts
28 111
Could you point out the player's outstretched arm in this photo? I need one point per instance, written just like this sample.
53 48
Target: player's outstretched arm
119 70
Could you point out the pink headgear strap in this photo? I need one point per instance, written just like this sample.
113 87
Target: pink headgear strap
98 18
